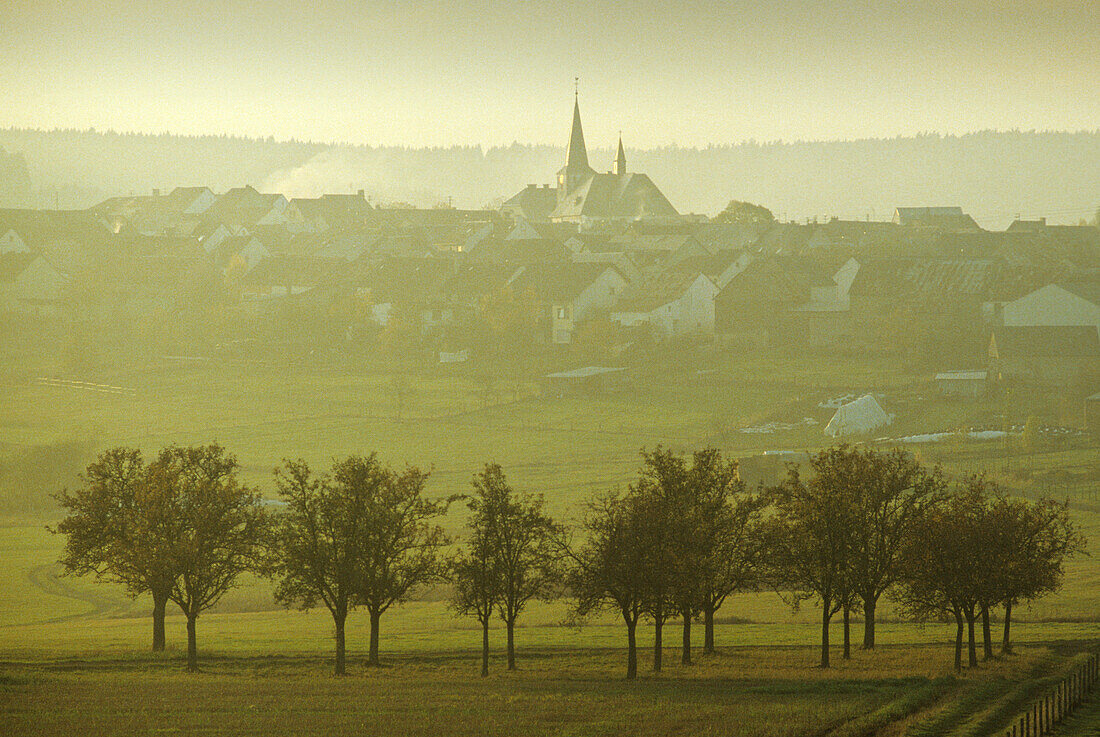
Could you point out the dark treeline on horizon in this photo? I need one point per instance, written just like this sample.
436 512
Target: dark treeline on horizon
993 174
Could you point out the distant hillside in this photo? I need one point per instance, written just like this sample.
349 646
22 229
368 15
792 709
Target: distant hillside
993 175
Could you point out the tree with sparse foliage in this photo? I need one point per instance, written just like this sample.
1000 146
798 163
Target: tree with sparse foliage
609 566
401 544
1028 543
318 554
664 515
521 537
216 527
810 540
113 532
943 564
726 536
476 587
888 492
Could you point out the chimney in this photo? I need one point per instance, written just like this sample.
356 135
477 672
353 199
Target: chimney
532 186
156 193
362 194
1043 221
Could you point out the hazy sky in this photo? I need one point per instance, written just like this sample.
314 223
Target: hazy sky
466 71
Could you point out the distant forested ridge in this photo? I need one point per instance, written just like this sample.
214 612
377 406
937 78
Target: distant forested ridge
992 175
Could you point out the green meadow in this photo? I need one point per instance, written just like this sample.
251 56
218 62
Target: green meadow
73 652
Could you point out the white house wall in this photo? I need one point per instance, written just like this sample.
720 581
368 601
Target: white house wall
602 294
1051 305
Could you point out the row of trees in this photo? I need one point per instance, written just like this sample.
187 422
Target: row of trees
674 545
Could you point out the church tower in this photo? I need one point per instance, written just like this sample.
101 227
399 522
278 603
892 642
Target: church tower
576 168
620 159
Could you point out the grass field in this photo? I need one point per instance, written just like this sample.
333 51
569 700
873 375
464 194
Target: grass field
72 652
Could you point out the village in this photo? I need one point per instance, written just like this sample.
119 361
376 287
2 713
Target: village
597 259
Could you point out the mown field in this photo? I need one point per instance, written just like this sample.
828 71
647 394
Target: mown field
72 652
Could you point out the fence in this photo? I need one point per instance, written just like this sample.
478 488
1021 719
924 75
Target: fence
1049 710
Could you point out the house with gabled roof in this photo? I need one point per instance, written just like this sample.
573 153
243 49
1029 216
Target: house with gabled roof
942 218
524 230
335 211
569 293
533 204
239 254
69 239
1066 303
244 206
29 283
288 276
672 303
157 213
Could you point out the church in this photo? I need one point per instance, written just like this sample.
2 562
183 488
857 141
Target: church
584 196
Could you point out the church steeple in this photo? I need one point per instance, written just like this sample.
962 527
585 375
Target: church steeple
620 158
576 169
577 155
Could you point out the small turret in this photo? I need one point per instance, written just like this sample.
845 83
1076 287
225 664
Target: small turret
620 158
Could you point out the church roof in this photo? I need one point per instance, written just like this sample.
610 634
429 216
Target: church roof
614 196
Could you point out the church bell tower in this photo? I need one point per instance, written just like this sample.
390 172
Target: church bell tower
576 168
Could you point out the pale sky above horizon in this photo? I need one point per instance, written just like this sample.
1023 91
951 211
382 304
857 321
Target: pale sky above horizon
476 72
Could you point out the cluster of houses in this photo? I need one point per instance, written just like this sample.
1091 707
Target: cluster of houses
593 247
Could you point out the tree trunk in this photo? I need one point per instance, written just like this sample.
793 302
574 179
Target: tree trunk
708 630
631 647
958 641
1006 643
869 605
826 615
847 633
192 645
160 602
375 620
987 636
511 644
658 645
686 654
485 647
972 649
339 618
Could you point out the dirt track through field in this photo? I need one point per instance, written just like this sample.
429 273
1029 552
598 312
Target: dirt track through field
46 578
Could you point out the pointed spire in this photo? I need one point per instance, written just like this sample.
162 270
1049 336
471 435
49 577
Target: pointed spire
620 158
576 158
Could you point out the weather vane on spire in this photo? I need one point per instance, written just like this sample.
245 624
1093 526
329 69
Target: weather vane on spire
576 86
